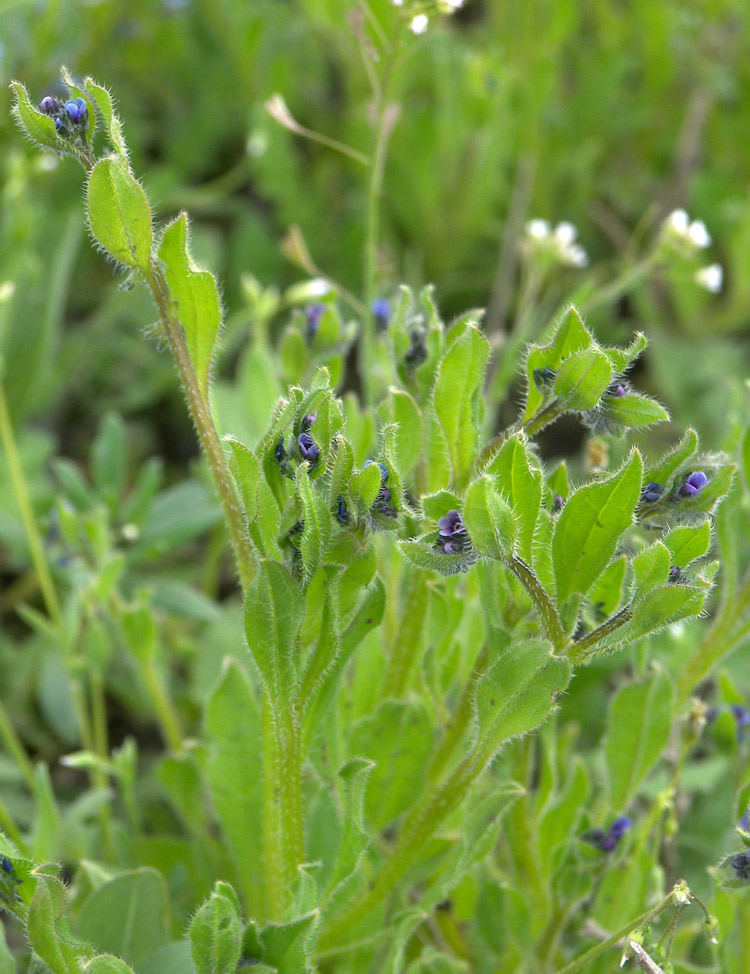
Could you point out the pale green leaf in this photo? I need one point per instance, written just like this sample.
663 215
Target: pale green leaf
119 214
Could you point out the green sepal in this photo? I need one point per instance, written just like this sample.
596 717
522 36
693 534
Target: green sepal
318 522
661 471
365 486
623 358
436 505
651 568
119 214
423 555
247 474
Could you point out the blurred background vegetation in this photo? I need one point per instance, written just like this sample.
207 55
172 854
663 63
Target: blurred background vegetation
602 113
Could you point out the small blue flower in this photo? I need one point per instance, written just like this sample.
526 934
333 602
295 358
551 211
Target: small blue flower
694 483
652 492
744 822
49 105
342 513
381 312
279 452
607 841
308 448
314 313
544 377
740 862
7 866
75 112
558 502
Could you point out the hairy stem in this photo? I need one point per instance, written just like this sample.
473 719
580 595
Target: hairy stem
544 604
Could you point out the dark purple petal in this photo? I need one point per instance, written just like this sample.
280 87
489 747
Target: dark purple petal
314 313
48 105
652 492
381 312
308 447
619 827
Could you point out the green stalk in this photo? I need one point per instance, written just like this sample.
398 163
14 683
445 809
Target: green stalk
383 128
459 723
283 836
204 425
168 719
544 604
591 955
587 646
20 488
404 647
16 748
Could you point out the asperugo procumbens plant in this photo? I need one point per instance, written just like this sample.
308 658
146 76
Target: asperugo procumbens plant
499 580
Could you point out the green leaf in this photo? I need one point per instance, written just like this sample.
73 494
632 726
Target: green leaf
234 775
128 915
664 606
517 693
109 458
119 214
194 296
7 960
39 127
399 739
606 592
355 838
174 957
638 728
557 825
106 964
489 520
589 527
688 543
47 930
745 453
634 412
408 420
288 946
103 104
571 336
247 474
521 485
274 607
216 935
457 388
318 523
582 379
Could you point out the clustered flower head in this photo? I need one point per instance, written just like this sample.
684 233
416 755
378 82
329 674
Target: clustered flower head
453 538
609 840
558 242
740 862
685 234
382 504
69 116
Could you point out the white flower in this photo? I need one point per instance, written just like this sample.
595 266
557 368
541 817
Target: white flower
678 221
698 234
688 235
538 229
565 233
419 24
710 277
453 4
397 3
575 255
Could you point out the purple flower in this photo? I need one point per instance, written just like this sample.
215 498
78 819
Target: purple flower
76 112
558 502
607 841
48 105
342 514
741 716
652 492
451 525
694 483
279 453
744 822
740 863
7 866
314 313
307 422
308 447
381 312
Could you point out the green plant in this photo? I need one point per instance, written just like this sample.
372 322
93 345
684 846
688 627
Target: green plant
418 593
